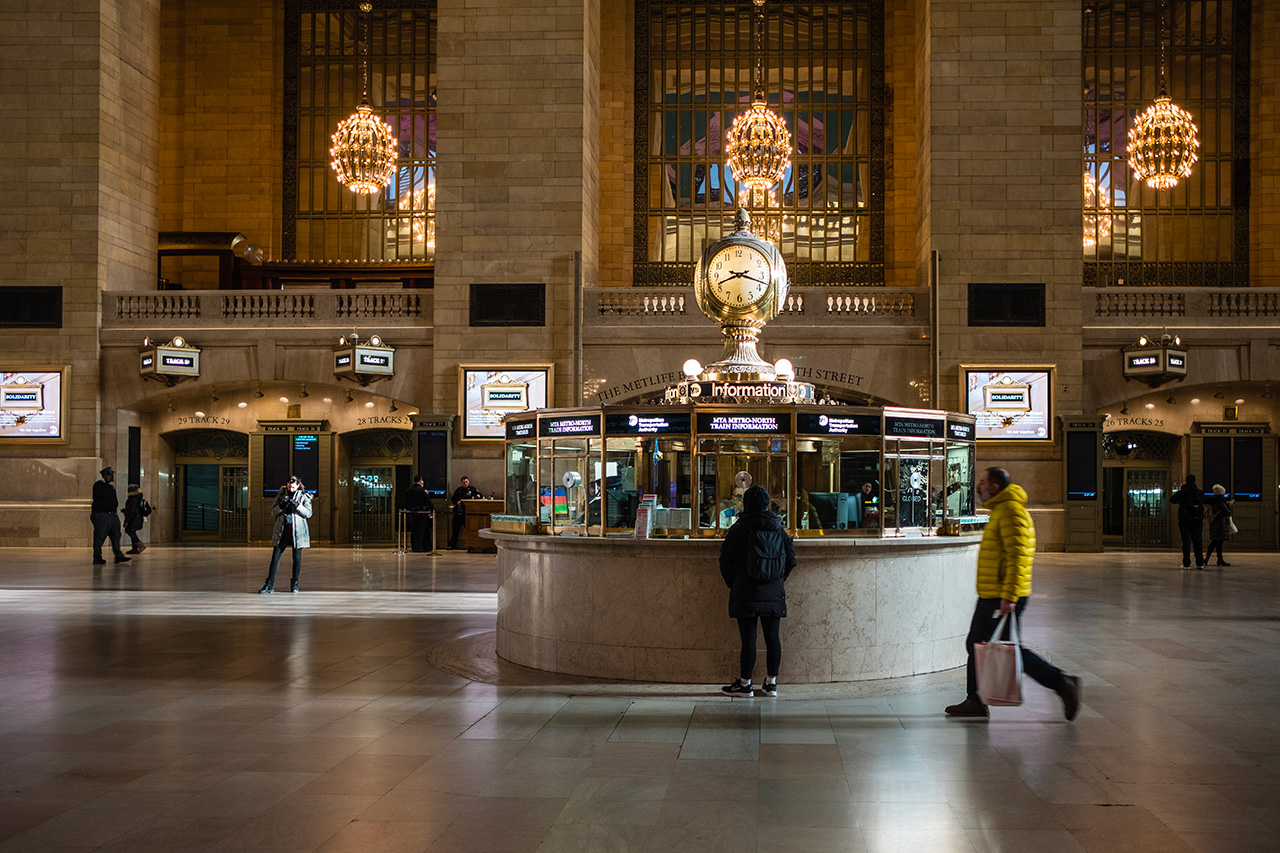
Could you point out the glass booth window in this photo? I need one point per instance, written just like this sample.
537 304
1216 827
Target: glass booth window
765 458
638 466
522 486
959 478
914 484
568 486
838 486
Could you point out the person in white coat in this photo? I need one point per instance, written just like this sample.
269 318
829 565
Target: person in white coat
291 511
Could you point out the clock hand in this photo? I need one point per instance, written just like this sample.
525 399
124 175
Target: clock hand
733 275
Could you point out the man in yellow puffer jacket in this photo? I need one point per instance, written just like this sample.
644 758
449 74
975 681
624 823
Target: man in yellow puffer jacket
1004 584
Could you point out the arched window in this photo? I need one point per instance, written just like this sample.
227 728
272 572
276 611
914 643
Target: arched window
1196 234
823 72
323 38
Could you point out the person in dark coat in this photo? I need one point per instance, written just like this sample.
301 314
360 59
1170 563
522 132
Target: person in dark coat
105 515
1190 501
420 512
750 601
136 510
464 492
1219 508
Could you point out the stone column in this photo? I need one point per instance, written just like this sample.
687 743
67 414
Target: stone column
517 194
998 89
77 210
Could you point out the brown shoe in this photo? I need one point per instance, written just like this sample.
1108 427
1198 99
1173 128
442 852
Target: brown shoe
1070 695
142 546
969 708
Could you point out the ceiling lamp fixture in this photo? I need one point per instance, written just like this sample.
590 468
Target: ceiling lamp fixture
758 144
364 147
1164 142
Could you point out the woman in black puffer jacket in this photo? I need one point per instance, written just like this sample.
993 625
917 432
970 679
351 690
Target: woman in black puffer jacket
749 600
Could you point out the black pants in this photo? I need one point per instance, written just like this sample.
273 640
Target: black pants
459 522
275 561
1192 534
418 528
984 622
1214 543
772 645
106 525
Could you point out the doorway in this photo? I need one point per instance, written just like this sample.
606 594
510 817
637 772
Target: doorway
212 469
373 508
1135 489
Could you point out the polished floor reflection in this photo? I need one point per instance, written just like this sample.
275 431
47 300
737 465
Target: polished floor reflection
161 705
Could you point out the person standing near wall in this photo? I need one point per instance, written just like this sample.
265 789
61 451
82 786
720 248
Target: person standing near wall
1190 501
1219 517
420 512
291 511
105 515
464 492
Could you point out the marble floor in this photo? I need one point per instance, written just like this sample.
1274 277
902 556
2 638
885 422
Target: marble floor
161 705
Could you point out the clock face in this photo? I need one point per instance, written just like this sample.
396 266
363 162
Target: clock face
738 276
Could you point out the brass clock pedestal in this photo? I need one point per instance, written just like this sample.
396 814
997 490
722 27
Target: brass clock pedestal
740 284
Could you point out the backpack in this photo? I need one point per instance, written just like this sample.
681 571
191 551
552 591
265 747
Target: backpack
1195 507
766 555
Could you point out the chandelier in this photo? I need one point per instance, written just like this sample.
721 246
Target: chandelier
758 144
364 148
1096 198
766 221
1164 141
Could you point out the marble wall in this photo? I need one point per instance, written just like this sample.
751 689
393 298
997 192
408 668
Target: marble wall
657 610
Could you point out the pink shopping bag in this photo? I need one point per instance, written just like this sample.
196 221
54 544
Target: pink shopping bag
999 665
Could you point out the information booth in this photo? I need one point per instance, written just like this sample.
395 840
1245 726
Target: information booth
837 471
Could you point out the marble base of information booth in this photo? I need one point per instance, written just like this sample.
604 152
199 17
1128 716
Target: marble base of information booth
657 610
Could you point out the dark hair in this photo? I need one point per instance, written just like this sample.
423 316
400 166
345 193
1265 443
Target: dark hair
1191 478
998 477
418 478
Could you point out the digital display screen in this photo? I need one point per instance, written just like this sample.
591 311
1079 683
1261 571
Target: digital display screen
1009 404
306 460
433 460
960 431
520 429
751 422
578 425
909 426
31 404
809 423
1082 466
647 423
275 463
490 393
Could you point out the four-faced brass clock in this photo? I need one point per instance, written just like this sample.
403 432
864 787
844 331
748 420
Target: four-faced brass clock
741 283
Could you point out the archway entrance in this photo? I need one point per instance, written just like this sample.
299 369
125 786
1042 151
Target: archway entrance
1136 484
381 468
212 468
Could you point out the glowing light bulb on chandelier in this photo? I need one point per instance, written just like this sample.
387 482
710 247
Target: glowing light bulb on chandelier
758 145
1164 144
364 148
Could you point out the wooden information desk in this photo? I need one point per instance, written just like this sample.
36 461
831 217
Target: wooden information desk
478 511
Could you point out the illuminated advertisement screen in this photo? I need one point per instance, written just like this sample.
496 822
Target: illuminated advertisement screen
31 404
1009 403
808 423
490 393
